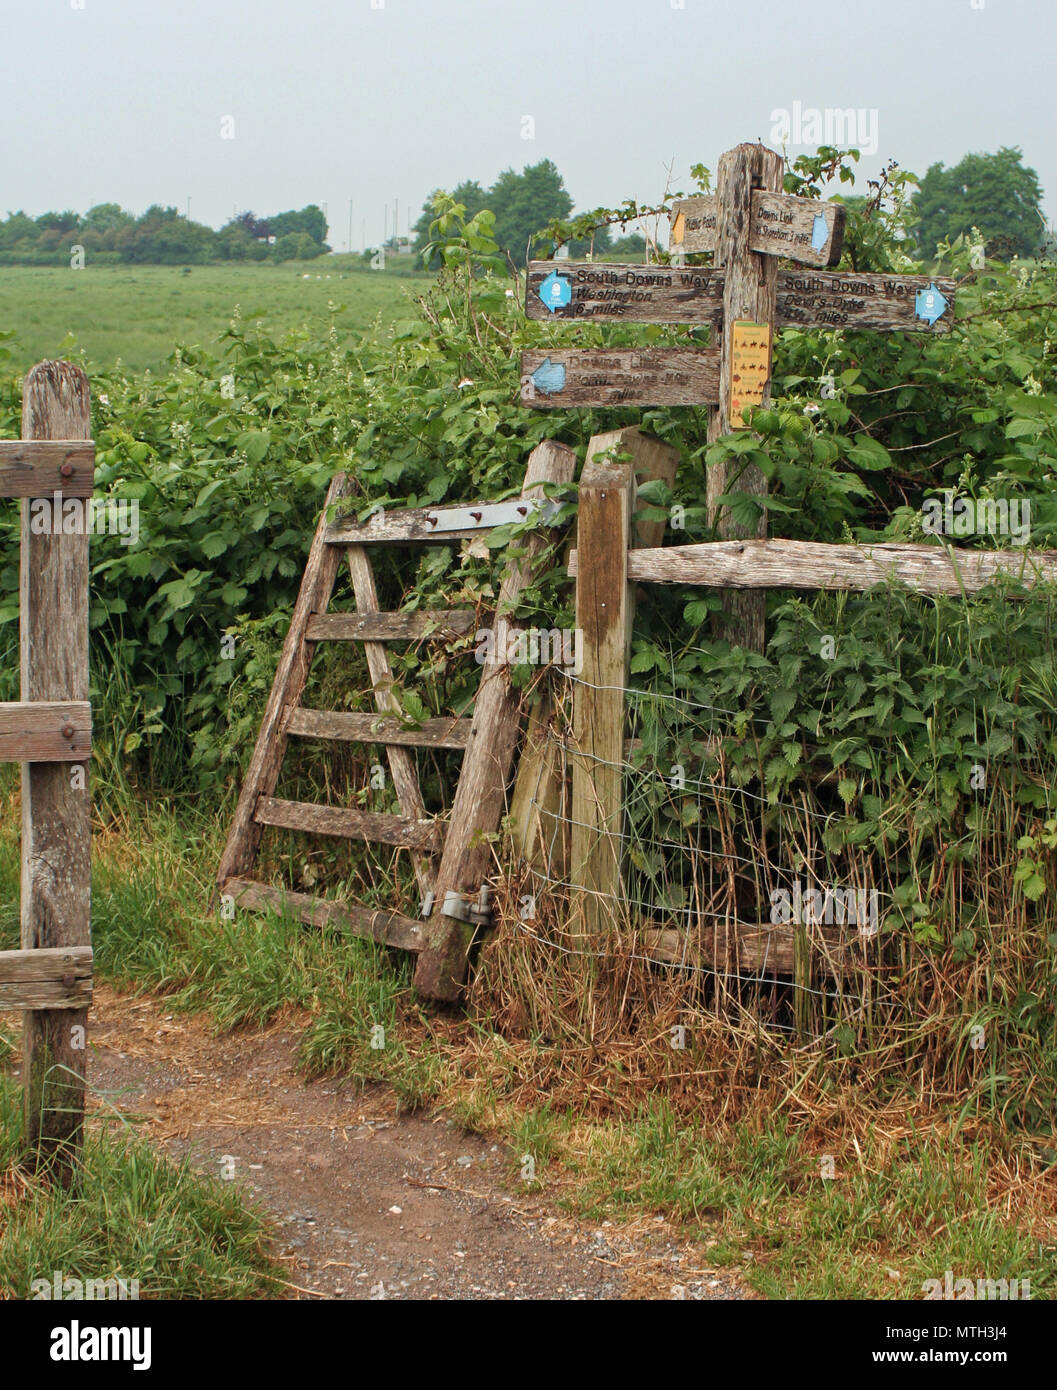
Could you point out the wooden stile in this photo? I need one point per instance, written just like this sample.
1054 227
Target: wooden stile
374 728
317 585
401 763
348 823
377 924
391 627
486 740
481 796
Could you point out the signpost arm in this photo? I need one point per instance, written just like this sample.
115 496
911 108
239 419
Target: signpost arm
749 286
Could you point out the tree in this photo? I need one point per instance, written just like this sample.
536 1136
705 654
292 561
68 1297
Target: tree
310 220
296 246
469 193
995 193
524 203
634 244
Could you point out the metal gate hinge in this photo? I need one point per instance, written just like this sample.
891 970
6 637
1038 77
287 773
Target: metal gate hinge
478 914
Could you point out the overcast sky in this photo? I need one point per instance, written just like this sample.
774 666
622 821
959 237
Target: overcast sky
379 100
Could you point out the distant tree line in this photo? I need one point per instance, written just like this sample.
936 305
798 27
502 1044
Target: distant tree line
161 236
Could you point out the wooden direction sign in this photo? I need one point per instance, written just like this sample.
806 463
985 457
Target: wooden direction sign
611 293
749 223
804 229
614 377
884 303
624 293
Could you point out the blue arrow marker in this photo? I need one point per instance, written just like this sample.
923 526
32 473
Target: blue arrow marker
556 291
930 304
819 232
549 377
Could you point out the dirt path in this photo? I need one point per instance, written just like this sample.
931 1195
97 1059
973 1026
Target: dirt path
370 1203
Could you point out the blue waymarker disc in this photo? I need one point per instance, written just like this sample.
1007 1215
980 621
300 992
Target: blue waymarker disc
556 291
930 304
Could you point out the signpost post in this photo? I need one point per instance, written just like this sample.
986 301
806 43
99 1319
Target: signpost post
748 224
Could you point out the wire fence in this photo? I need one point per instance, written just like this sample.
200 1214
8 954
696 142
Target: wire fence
739 886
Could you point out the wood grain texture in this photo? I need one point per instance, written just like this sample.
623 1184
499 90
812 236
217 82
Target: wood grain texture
377 924
539 835
644 376
348 824
806 298
603 614
46 732
40 468
607 293
433 624
56 811
780 564
846 299
401 763
375 728
46 978
480 799
746 948
780 224
748 294
291 674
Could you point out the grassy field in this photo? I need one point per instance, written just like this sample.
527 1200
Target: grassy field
139 313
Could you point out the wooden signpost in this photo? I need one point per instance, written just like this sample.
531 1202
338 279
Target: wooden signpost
748 224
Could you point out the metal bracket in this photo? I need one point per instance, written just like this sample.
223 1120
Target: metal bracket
488 515
478 914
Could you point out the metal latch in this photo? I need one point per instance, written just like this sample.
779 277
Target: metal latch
478 914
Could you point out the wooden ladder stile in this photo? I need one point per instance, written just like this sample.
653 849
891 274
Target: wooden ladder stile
484 743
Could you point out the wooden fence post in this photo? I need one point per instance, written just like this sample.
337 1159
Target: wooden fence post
56 800
749 287
604 614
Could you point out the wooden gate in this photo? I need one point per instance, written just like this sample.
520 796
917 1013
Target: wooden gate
49 732
451 861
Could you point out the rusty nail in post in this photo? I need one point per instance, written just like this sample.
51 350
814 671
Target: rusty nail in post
476 516
67 470
68 731
522 511
432 520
